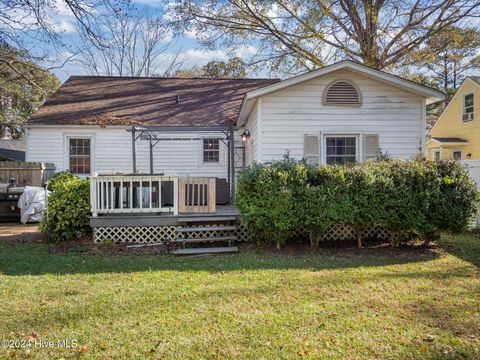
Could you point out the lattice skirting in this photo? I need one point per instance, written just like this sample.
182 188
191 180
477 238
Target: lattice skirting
157 234
345 232
163 234
135 234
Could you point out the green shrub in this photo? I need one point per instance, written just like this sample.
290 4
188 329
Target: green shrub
58 178
68 208
419 197
266 196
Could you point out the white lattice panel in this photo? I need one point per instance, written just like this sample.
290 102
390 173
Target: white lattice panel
161 234
346 232
135 234
242 233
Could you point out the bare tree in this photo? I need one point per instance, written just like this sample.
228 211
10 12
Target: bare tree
135 43
306 34
27 24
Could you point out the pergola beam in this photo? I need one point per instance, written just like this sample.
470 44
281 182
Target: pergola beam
220 128
227 130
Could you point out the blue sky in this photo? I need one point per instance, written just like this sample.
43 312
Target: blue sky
63 22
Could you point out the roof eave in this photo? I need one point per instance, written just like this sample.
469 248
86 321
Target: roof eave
49 126
457 143
431 95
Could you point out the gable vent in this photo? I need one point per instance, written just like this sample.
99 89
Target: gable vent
342 92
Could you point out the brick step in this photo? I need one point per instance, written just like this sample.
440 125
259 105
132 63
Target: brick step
207 228
207 251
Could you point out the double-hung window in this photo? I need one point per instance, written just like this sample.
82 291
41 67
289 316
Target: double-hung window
457 155
79 154
211 151
468 107
341 149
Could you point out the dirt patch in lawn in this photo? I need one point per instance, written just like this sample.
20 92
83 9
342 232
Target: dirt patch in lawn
18 232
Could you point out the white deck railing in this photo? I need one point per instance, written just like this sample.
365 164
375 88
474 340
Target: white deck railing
117 194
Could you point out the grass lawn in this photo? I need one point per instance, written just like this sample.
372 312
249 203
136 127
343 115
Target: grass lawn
339 304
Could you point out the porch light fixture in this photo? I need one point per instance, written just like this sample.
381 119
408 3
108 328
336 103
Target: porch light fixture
469 155
245 135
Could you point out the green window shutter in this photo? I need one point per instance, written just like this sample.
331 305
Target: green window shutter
370 146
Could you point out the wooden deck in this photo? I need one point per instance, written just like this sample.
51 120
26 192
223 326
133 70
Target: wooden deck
222 213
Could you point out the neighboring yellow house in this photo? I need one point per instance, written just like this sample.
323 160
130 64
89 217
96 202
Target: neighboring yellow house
456 134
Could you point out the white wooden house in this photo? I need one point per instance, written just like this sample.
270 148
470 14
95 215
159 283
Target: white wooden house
189 137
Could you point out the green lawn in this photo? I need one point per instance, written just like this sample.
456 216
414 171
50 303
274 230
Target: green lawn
340 304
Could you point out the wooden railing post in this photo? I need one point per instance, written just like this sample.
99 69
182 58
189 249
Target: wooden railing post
93 196
175 196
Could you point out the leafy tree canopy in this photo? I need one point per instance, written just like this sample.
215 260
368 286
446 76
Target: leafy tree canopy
298 35
448 56
24 86
234 68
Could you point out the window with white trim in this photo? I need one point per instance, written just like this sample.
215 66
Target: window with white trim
79 150
340 149
436 155
457 155
211 151
468 103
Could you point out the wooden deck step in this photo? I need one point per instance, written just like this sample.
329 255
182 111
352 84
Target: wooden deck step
207 228
207 239
206 219
207 251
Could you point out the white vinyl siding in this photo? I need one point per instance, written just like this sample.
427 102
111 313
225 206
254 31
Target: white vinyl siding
393 114
113 152
251 143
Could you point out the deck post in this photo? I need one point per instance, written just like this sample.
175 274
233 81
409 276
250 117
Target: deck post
175 196
229 179
134 151
93 196
232 166
151 156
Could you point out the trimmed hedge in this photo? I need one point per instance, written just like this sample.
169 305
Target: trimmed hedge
68 208
419 197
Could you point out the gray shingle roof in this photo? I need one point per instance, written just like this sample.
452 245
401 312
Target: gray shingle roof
101 100
449 140
12 150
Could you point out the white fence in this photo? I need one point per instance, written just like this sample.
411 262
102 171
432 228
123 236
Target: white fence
474 169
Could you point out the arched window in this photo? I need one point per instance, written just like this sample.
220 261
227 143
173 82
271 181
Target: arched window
342 92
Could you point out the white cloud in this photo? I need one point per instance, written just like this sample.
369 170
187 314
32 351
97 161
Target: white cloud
64 26
192 34
273 12
62 8
201 57
245 51
152 3
63 20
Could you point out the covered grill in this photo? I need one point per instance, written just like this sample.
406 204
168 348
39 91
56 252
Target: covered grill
9 195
